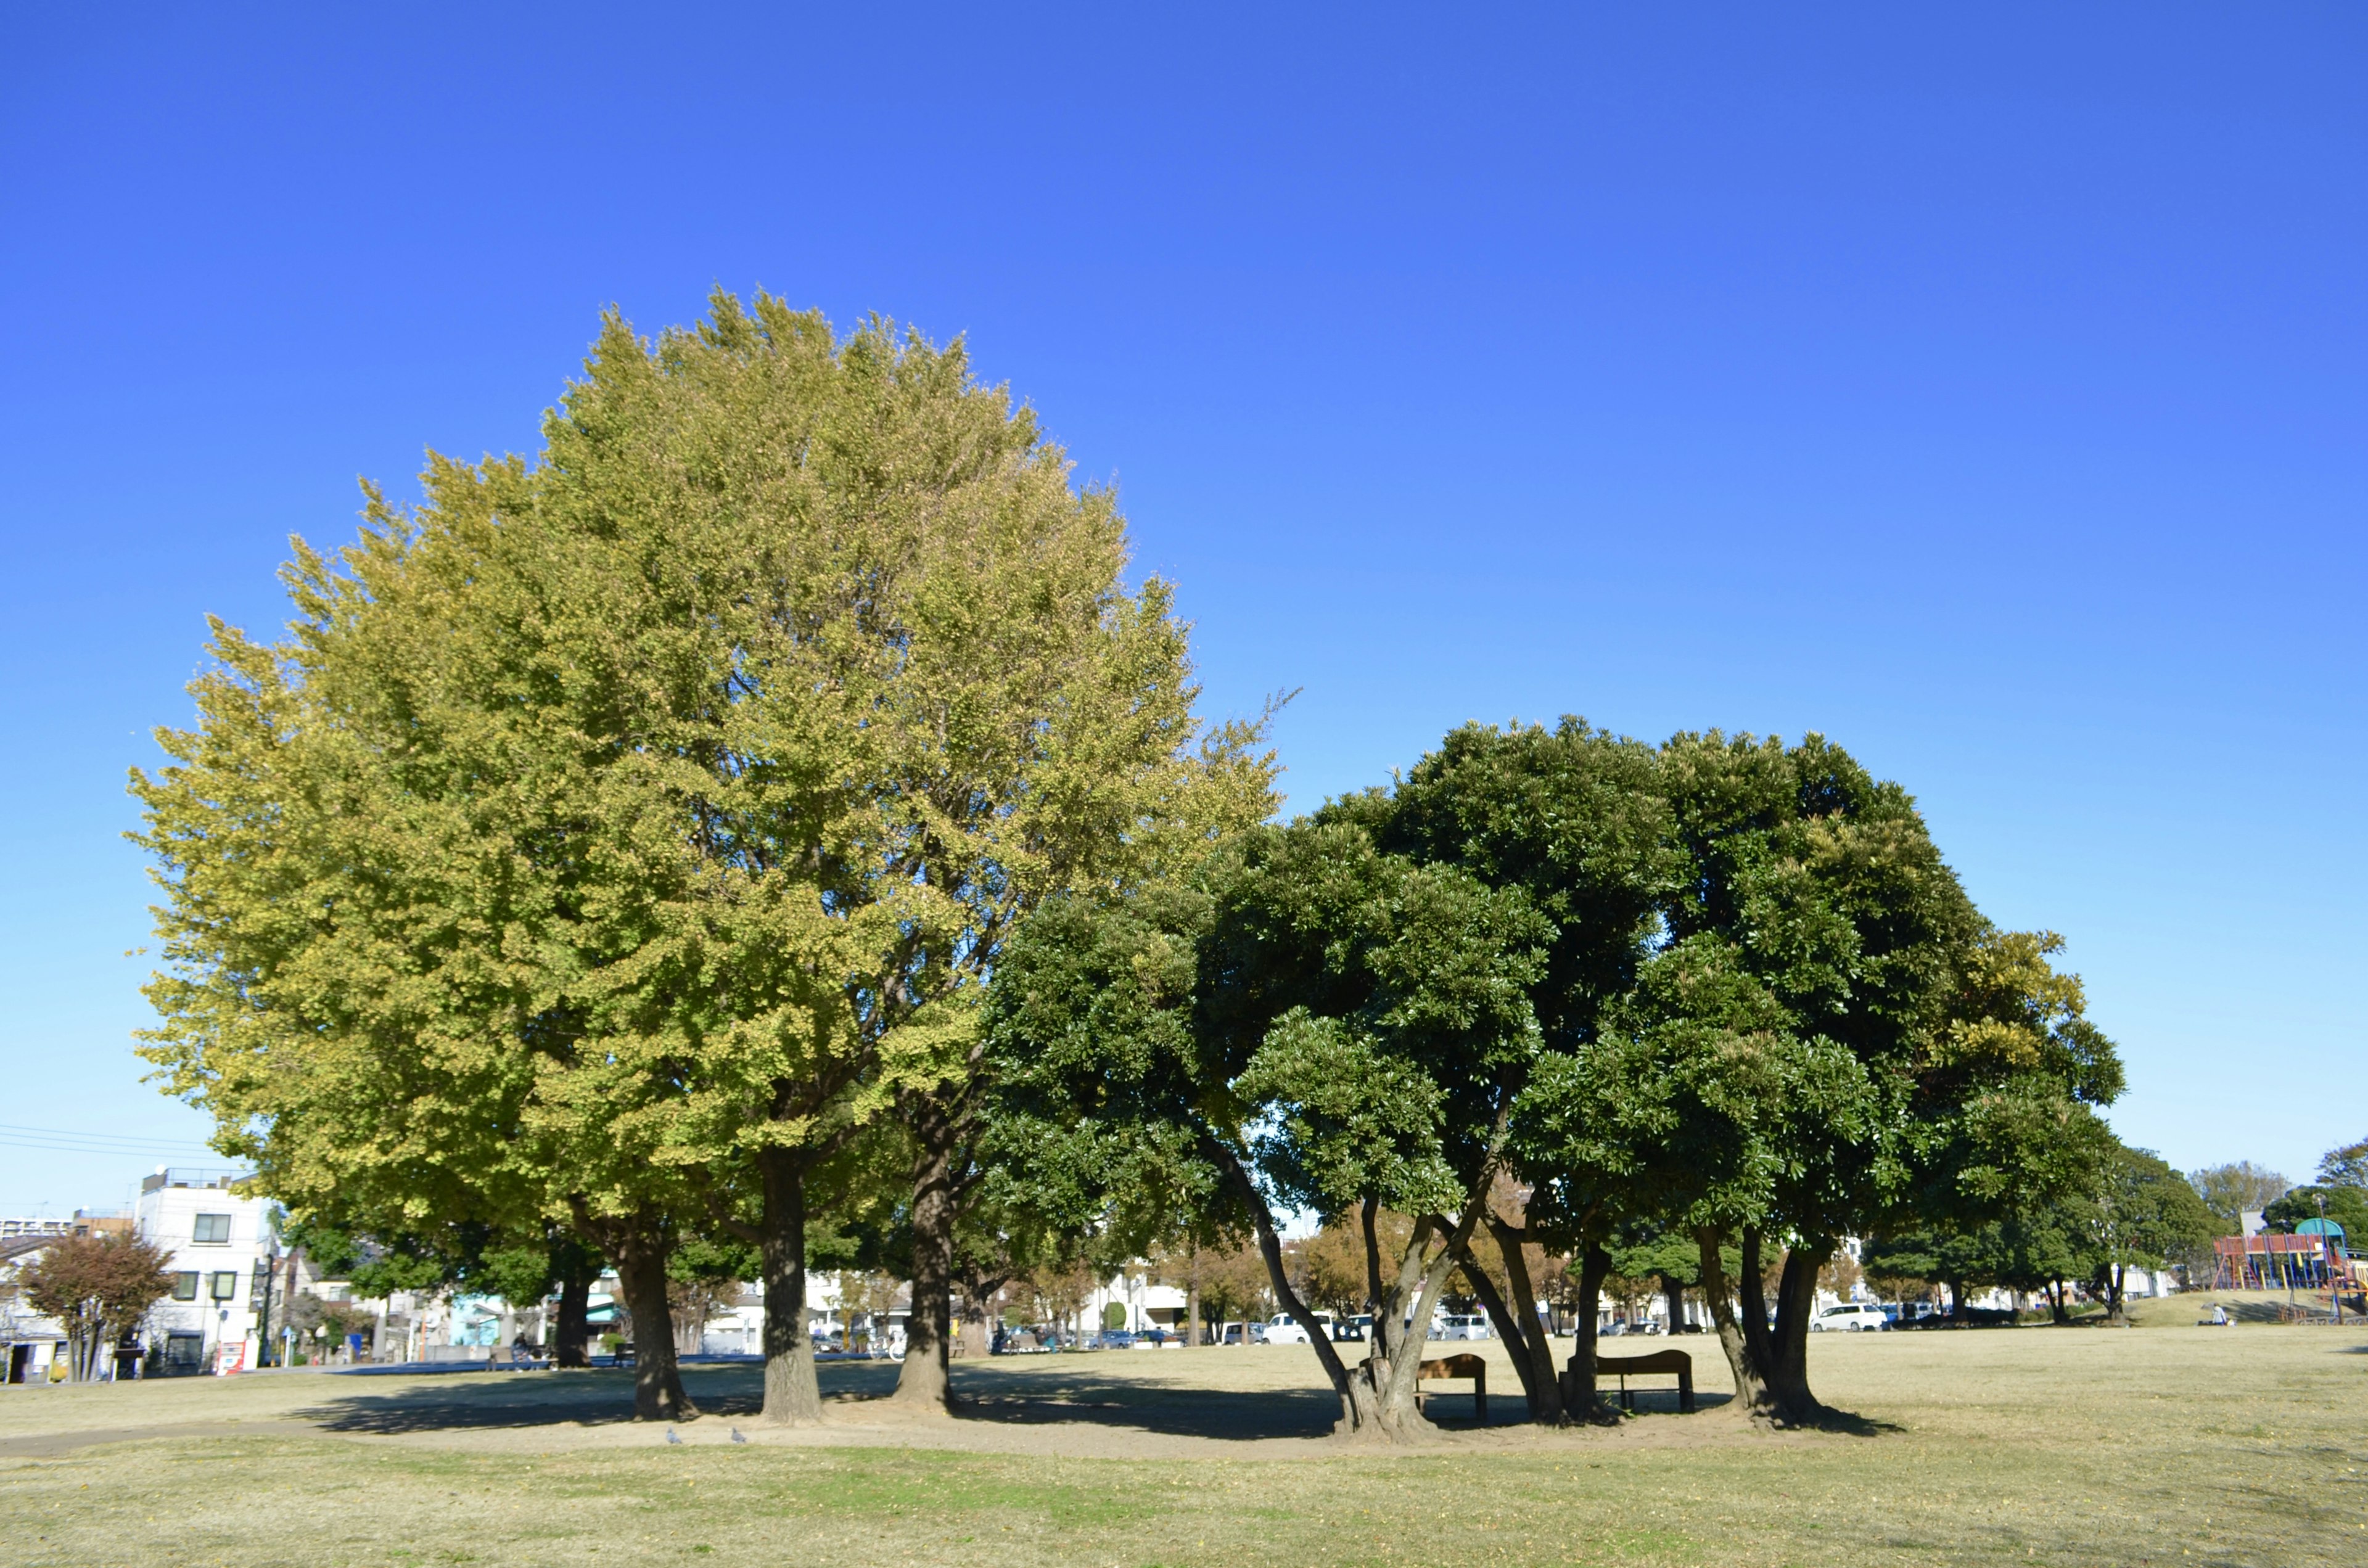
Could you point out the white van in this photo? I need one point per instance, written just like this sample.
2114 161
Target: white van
1465 1325
1851 1317
1283 1329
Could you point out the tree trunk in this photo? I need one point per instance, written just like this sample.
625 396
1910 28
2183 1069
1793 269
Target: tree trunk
641 1254
2116 1277
1579 1399
1506 1321
2056 1309
1758 1340
1956 1299
1786 1373
1673 1292
1516 1317
792 1394
1355 1414
924 1380
1750 1397
572 1340
1192 1305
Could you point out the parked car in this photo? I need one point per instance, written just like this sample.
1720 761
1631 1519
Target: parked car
1459 1325
1115 1339
1242 1334
1283 1329
1851 1317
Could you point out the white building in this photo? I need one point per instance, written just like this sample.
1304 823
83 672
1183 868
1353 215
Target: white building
12 1228
1142 1305
31 1345
222 1246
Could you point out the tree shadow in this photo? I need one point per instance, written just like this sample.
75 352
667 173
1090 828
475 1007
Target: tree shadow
1847 1422
1040 1395
1664 1402
599 1397
1027 1392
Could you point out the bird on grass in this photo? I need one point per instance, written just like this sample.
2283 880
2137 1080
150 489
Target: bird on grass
671 1438
736 1436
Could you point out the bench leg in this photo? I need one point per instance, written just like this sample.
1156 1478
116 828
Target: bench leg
1480 1396
1686 1394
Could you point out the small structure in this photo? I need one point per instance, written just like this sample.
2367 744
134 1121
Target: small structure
1465 1366
1660 1362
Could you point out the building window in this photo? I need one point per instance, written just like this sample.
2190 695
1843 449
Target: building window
185 1286
213 1230
225 1286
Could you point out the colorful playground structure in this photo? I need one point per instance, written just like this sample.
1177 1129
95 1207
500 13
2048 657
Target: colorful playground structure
2313 1259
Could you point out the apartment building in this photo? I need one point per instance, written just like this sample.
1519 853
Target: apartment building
222 1245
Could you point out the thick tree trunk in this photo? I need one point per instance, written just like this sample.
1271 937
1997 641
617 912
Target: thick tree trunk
1750 1397
2056 1309
640 1255
572 1337
1580 1401
1746 1341
1673 1292
2115 1278
976 1324
924 1380
792 1394
1193 1307
1786 1369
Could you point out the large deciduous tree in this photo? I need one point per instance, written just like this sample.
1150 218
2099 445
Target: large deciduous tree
688 783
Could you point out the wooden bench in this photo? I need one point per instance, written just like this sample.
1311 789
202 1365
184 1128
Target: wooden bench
1463 1366
1626 1366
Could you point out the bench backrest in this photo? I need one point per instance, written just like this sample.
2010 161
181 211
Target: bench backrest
1659 1361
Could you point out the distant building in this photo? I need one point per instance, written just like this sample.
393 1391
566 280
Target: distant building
34 1348
221 1245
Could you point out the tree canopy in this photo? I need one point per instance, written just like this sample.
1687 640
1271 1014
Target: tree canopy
619 835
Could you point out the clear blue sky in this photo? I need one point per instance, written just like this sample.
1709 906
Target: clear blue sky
1987 393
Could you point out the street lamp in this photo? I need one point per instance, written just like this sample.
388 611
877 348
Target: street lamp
2334 1280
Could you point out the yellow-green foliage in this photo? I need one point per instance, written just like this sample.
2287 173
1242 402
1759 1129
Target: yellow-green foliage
610 816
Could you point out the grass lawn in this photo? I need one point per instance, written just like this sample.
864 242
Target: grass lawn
2161 1444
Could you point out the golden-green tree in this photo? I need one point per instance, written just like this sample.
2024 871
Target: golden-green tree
688 781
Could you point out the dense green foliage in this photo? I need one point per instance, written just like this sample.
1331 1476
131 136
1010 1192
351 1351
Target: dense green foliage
1575 991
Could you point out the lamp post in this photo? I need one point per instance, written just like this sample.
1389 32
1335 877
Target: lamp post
2334 1282
263 1319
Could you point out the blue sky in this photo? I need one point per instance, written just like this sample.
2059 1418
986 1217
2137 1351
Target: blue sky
1983 392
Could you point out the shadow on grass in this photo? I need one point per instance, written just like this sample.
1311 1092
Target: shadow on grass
1847 1422
597 1398
1032 1393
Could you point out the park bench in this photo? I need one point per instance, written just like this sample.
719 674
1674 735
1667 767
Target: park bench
1677 1362
1463 1366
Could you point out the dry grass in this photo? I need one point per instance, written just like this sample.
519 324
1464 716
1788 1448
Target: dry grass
2074 1446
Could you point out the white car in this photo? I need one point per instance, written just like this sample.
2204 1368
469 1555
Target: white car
1283 1329
1851 1317
1459 1326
